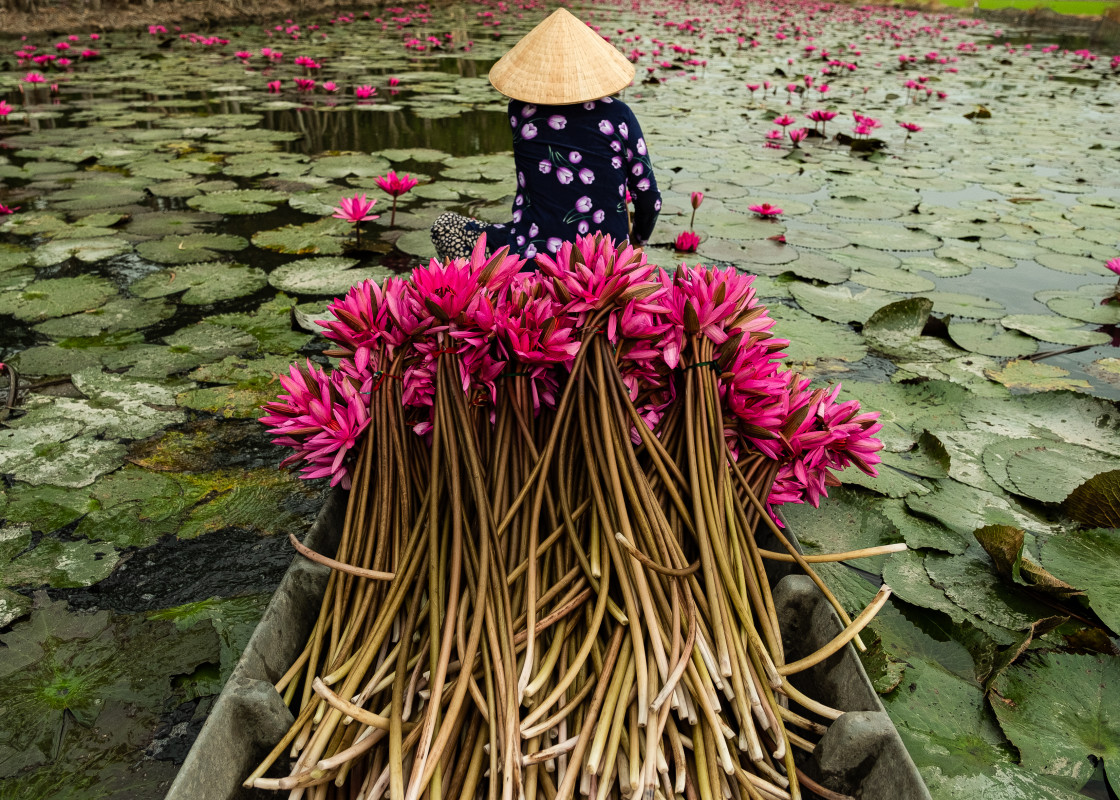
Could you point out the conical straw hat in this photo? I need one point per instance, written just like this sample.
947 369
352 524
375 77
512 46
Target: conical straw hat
560 62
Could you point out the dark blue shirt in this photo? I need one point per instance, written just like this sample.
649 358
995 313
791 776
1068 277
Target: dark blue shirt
574 165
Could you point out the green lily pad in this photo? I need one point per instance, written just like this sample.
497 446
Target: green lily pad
234 619
237 202
202 283
191 248
166 223
47 455
321 237
838 303
965 305
965 508
907 410
958 748
88 251
1097 501
891 279
896 328
93 196
974 257
60 565
887 237
135 507
991 339
417 243
119 314
1087 559
1085 304
1033 376
360 165
1058 330
812 339
323 276
270 325
56 297
964 450
921 532
1072 264
1059 416
1058 709
938 267
970 581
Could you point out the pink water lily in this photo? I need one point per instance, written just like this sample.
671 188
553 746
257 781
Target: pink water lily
687 242
765 210
498 322
355 209
396 185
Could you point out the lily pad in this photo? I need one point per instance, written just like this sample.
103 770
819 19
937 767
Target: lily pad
1086 304
991 339
202 283
56 297
322 237
60 564
838 303
191 248
1058 709
237 202
1088 559
887 237
323 276
812 339
1097 501
965 305
1050 328
896 328
1033 376
119 314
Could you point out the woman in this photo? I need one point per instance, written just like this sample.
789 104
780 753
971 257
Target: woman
578 151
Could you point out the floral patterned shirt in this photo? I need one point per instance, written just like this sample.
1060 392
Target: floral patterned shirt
574 166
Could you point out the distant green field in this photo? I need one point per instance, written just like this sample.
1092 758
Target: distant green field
1086 7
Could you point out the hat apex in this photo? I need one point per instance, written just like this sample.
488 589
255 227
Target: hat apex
560 62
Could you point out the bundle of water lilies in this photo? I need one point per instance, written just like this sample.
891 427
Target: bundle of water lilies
548 581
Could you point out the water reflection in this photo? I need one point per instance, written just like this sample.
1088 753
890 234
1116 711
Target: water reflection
326 129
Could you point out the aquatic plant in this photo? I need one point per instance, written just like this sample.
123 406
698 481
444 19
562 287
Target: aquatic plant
765 210
686 242
644 414
355 209
695 199
396 185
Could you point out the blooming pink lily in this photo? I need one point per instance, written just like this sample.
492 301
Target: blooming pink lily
687 242
355 209
396 185
765 210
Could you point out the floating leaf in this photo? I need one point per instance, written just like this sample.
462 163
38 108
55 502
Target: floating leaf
969 581
1086 304
238 201
191 248
966 508
1058 709
1097 501
887 237
1088 559
1035 377
1058 330
202 283
322 237
837 303
812 339
1004 545
896 328
965 305
324 276
119 314
56 297
991 339
891 279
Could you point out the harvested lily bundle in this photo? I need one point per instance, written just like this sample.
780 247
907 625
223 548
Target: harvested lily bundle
549 581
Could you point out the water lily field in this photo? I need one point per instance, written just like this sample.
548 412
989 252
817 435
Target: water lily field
949 199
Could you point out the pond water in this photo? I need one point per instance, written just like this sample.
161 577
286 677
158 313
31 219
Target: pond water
173 216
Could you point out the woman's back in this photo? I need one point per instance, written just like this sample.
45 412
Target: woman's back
574 166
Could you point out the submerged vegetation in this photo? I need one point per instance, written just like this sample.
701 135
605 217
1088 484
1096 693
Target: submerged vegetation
942 246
